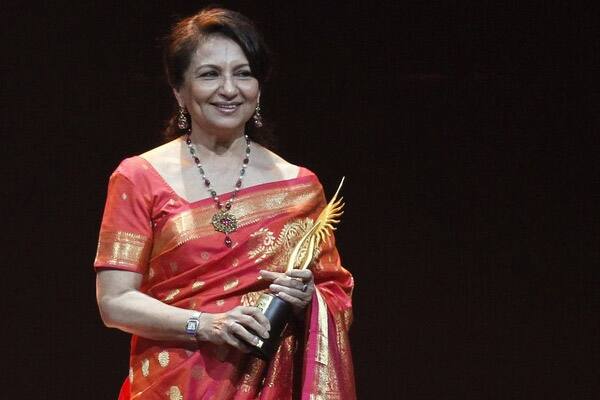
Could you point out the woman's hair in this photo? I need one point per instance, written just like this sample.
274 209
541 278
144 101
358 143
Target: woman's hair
188 33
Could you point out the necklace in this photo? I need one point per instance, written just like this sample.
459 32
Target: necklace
223 220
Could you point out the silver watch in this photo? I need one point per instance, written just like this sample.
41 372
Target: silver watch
191 326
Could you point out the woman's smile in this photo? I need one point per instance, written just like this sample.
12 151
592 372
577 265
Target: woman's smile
227 108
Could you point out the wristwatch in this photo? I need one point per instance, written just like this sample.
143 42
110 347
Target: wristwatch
191 326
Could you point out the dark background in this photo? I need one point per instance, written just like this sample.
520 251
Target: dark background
468 135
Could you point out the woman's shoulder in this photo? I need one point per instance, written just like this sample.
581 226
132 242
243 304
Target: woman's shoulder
163 154
131 168
139 167
271 161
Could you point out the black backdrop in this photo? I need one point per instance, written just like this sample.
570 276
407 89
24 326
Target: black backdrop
468 135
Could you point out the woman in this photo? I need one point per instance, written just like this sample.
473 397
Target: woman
196 229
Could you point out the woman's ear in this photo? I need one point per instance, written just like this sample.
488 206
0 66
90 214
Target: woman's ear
178 97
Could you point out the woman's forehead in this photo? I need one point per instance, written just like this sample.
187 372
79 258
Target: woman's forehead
218 50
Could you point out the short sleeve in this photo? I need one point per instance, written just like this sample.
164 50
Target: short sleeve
125 238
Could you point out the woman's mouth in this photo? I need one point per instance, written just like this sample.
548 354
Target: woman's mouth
227 108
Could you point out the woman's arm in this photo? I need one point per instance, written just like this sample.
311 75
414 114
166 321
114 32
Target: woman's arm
124 307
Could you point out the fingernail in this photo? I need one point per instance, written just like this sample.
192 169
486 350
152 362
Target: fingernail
266 334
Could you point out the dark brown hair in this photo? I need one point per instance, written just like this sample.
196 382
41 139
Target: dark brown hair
184 38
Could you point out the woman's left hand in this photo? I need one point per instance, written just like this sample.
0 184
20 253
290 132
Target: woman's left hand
296 287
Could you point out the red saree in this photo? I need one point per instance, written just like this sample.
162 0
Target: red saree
149 229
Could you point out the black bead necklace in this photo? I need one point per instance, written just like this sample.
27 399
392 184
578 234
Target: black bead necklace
223 220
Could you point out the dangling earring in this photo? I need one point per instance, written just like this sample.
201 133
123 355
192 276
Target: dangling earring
258 122
182 119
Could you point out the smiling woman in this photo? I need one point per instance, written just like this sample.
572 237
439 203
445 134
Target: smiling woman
219 91
182 258
183 43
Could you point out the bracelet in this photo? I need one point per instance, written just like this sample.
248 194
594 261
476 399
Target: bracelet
192 324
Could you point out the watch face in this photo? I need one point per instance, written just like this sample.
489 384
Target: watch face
191 327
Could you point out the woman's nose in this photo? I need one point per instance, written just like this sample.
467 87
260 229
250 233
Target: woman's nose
228 87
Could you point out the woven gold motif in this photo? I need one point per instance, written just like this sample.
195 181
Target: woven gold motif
264 239
250 299
249 208
123 249
163 358
175 393
277 373
275 253
252 378
145 367
172 295
326 381
231 284
343 320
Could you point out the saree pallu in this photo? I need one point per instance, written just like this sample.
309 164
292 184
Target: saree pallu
148 229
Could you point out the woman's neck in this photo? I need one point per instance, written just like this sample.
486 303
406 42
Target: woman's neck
220 144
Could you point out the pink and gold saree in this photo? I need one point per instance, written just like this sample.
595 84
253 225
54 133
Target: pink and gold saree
149 229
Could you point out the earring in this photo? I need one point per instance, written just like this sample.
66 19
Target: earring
258 122
182 119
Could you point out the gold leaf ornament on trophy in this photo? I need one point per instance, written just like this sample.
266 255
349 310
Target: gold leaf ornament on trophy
278 311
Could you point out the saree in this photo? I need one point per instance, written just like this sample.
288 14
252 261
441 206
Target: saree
148 229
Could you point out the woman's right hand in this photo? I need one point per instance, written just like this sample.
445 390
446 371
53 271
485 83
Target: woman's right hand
232 327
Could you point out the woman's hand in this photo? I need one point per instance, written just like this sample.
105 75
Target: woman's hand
296 287
232 327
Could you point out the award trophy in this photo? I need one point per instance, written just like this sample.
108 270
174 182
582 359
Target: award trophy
278 311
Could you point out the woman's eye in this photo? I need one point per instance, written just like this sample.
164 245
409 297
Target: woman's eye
244 73
209 74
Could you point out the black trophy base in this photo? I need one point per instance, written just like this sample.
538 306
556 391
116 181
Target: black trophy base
278 313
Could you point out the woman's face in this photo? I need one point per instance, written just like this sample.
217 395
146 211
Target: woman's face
219 90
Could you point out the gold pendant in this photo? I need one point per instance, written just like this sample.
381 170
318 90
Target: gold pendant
225 222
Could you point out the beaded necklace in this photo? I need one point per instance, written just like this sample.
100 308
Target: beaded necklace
223 220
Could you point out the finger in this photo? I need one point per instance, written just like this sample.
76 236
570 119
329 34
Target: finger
238 332
249 322
293 283
255 313
292 300
270 275
246 310
298 294
305 275
239 344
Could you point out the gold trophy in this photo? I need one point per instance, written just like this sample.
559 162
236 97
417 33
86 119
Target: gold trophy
278 311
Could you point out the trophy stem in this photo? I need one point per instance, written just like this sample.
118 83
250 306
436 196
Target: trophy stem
278 312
